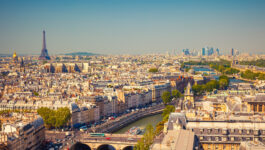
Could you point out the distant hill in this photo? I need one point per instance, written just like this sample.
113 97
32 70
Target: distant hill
5 55
81 54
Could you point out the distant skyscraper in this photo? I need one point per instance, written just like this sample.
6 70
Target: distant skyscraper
210 51
44 52
232 52
217 51
236 52
186 52
203 51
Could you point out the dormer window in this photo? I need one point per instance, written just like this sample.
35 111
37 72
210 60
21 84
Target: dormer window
232 130
256 132
209 130
224 131
201 137
240 131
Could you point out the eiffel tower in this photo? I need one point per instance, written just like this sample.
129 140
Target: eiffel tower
44 52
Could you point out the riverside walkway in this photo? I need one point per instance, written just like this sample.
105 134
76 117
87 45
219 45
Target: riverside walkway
113 125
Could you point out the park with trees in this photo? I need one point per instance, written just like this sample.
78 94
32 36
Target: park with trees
55 118
168 96
224 67
153 70
259 63
252 76
220 84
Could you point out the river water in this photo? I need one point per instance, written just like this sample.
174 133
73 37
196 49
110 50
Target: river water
157 118
142 123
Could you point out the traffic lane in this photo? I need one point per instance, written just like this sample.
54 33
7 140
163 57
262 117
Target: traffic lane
112 139
54 137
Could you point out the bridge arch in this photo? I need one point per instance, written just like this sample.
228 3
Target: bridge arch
80 146
106 147
128 148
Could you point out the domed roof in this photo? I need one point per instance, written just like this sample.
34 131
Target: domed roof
15 55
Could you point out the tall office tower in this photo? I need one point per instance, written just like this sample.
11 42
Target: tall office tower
217 51
232 52
203 51
186 52
44 52
236 52
206 50
210 51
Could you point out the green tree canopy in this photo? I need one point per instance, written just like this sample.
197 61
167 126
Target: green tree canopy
166 97
167 111
55 118
252 76
176 94
153 70
147 140
259 62
222 83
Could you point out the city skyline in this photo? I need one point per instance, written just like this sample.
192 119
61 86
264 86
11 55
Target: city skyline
136 27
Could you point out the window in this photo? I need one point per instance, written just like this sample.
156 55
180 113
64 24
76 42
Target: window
247 139
209 130
224 131
260 108
216 139
255 108
201 130
201 137
256 132
239 131
232 130
224 138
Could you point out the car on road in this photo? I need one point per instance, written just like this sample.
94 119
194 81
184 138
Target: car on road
68 133
107 138
83 128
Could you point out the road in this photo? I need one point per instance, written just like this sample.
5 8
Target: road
60 138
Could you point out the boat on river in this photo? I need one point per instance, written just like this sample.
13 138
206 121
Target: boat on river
134 131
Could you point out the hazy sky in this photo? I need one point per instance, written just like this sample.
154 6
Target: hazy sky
131 27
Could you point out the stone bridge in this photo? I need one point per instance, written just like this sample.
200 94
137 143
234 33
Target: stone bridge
110 142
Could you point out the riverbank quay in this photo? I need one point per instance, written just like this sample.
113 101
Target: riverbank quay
114 125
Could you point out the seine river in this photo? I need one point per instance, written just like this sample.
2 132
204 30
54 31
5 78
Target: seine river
142 123
157 118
